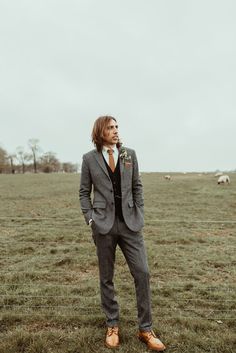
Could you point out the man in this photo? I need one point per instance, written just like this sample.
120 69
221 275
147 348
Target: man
116 217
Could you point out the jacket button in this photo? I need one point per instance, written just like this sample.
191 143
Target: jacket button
111 190
112 203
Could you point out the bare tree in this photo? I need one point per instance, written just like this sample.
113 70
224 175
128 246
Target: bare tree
49 163
68 167
35 149
11 158
22 157
3 161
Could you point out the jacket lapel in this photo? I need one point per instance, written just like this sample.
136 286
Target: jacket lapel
122 169
100 160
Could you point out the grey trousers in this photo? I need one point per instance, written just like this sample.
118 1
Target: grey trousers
132 246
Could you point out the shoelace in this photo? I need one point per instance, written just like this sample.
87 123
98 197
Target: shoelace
151 334
112 330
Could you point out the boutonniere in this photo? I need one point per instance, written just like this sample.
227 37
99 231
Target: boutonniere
126 159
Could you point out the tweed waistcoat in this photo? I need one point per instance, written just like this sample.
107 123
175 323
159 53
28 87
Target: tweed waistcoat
116 182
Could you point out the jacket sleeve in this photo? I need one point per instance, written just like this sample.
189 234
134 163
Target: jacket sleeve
85 191
137 187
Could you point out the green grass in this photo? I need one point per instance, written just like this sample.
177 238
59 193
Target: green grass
49 286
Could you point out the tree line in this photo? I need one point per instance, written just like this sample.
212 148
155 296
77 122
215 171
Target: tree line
33 161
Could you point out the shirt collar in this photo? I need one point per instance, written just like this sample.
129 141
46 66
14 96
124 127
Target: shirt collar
105 149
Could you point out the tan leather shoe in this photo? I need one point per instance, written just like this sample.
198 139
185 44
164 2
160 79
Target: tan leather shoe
112 337
151 340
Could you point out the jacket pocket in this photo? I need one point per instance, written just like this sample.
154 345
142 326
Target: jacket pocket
99 204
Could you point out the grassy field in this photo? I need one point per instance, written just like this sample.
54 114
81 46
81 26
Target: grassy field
49 288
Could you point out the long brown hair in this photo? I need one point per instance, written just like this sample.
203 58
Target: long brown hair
99 127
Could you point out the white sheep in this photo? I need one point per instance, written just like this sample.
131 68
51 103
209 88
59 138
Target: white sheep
167 177
218 174
223 179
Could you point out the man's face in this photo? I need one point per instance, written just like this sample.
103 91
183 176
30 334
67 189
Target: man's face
111 133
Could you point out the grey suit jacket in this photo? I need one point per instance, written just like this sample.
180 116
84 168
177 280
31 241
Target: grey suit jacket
95 180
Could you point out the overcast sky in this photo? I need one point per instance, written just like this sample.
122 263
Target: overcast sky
165 69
